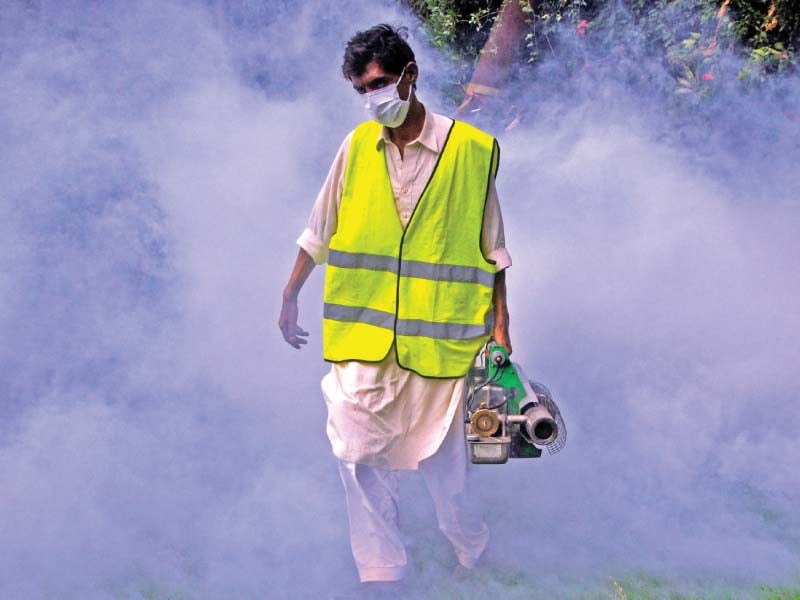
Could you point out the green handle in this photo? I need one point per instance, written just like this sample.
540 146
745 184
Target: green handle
500 371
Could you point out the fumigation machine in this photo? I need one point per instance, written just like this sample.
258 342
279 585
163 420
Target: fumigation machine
506 414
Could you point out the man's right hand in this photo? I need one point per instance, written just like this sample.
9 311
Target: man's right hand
292 332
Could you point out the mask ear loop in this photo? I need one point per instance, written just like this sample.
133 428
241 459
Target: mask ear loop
396 85
413 85
402 74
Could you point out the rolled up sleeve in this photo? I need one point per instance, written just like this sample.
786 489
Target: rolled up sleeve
324 217
493 240
314 246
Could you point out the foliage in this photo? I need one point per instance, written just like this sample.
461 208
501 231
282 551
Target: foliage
461 25
767 23
688 35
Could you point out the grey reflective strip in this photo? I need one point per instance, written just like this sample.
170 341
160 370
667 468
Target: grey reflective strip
410 268
358 260
436 272
441 331
355 314
379 318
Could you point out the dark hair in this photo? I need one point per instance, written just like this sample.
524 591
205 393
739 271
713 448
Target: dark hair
383 44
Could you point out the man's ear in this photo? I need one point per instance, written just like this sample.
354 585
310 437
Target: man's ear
412 70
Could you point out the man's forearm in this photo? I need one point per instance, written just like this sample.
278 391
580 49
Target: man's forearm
499 298
302 268
500 307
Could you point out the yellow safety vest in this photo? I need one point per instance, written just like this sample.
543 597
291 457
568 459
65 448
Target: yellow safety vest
428 288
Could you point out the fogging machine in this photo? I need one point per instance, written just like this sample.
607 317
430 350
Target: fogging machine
506 414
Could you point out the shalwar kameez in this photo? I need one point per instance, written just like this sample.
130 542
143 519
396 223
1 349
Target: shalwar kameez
382 418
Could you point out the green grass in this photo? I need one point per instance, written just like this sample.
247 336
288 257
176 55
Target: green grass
510 585
782 593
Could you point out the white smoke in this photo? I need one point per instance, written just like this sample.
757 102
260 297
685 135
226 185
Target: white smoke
161 440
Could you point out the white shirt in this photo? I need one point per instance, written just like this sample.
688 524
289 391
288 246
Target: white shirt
378 413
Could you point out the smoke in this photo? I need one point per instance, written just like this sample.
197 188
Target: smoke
159 439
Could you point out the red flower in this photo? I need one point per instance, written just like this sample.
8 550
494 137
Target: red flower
708 77
582 25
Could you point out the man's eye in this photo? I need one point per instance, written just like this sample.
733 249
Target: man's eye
377 84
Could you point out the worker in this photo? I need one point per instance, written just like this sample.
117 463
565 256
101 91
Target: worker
409 224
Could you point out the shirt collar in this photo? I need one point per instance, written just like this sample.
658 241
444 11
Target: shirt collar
426 137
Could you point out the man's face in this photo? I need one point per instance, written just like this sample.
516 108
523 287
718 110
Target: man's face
374 78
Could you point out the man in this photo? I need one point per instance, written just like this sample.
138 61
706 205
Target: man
409 224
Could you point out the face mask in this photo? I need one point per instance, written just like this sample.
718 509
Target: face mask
386 107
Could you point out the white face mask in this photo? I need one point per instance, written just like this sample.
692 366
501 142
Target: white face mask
386 107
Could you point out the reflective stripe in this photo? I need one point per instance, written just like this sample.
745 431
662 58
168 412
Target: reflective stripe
359 260
437 272
418 327
356 314
410 268
441 331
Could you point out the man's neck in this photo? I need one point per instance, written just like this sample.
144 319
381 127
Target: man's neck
411 127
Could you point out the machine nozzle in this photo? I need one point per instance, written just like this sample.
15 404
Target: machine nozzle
540 425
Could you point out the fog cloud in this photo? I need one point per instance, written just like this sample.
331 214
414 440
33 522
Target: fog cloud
160 439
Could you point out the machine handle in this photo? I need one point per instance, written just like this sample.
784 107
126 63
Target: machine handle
498 355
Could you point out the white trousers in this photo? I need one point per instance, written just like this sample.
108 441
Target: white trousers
372 498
